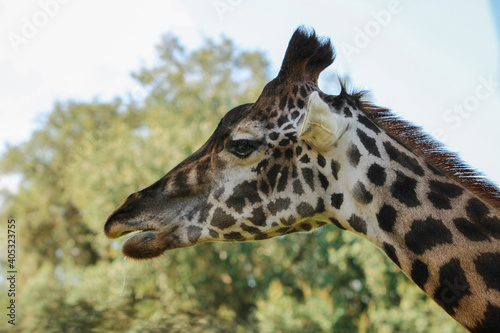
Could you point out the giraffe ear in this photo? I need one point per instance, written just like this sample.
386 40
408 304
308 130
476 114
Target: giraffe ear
321 127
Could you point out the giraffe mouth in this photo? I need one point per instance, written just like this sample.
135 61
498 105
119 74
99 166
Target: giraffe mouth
118 231
145 242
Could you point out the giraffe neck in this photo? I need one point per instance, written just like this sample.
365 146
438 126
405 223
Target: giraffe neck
440 233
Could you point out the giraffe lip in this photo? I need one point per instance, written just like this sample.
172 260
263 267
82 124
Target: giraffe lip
139 233
117 231
145 244
133 233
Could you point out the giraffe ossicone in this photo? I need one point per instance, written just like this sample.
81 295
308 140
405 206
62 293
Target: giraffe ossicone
298 159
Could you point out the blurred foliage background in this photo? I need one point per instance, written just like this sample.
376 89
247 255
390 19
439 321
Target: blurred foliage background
87 157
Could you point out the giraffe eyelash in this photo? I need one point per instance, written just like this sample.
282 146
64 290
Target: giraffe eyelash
242 148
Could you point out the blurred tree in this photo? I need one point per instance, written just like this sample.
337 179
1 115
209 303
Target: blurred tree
87 157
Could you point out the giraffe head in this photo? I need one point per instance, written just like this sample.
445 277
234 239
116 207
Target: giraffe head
264 172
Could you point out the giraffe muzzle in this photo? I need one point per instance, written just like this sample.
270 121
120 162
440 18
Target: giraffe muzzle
144 242
150 232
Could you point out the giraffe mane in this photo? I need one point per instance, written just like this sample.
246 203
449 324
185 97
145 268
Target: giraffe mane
434 152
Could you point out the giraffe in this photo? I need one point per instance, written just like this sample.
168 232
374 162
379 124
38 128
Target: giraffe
298 159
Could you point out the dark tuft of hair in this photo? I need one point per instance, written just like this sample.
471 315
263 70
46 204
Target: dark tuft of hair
306 57
348 95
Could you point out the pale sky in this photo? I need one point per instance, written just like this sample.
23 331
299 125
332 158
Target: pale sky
433 63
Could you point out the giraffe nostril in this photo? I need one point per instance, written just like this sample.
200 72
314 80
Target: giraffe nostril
131 198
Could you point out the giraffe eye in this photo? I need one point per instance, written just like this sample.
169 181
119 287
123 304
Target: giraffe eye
242 148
